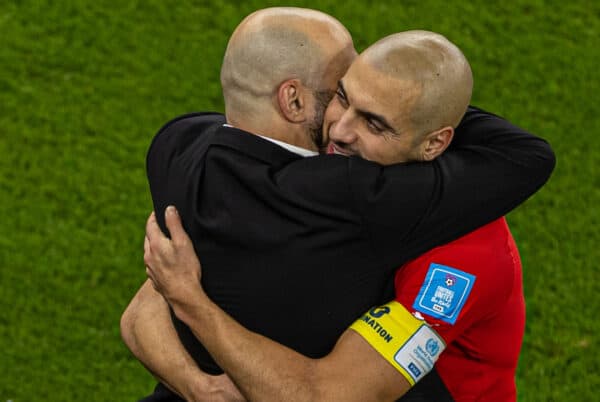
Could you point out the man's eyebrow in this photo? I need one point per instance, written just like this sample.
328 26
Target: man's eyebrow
366 114
379 118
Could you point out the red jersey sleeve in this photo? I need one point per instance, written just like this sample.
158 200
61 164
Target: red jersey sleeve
455 286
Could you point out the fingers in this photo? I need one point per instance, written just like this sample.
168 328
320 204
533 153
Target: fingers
160 252
150 276
147 254
154 242
173 221
153 231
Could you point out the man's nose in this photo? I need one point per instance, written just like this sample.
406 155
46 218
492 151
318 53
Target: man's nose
342 131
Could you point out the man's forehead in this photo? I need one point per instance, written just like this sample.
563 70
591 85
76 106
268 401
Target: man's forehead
372 90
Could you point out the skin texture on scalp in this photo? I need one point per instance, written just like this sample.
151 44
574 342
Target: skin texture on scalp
274 45
401 99
439 70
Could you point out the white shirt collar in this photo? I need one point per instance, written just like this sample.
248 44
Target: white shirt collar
292 148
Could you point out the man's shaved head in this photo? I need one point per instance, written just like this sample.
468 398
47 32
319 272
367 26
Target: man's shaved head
401 99
276 44
441 74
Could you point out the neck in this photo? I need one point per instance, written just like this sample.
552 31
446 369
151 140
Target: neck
293 134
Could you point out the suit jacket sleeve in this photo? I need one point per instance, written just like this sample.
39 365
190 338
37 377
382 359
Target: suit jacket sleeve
492 167
172 162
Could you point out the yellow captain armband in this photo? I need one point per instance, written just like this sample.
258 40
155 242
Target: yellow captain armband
407 343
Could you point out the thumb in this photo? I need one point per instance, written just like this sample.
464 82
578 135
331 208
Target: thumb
173 221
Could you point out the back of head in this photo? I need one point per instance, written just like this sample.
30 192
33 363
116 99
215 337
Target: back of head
273 45
438 69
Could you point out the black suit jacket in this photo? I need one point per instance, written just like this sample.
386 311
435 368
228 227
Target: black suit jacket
297 248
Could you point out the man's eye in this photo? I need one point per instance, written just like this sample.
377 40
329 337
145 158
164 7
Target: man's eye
374 127
341 97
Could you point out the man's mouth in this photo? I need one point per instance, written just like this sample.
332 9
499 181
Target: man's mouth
334 149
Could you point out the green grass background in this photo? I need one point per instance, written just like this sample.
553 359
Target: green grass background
84 85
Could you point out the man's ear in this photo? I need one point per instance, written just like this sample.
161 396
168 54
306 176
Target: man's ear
436 142
291 100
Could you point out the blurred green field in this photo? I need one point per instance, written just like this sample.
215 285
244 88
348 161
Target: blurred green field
84 85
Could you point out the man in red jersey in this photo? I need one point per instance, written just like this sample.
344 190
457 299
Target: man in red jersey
449 301
470 292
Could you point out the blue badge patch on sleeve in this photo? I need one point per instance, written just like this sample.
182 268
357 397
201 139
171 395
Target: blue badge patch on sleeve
444 292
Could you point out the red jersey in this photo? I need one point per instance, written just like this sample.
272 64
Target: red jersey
471 293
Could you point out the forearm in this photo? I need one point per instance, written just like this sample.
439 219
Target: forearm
268 371
148 332
506 148
262 369
493 166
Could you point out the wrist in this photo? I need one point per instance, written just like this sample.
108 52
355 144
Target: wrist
201 388
192 306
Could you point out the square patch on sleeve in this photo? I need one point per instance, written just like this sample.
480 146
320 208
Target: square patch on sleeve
444 292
